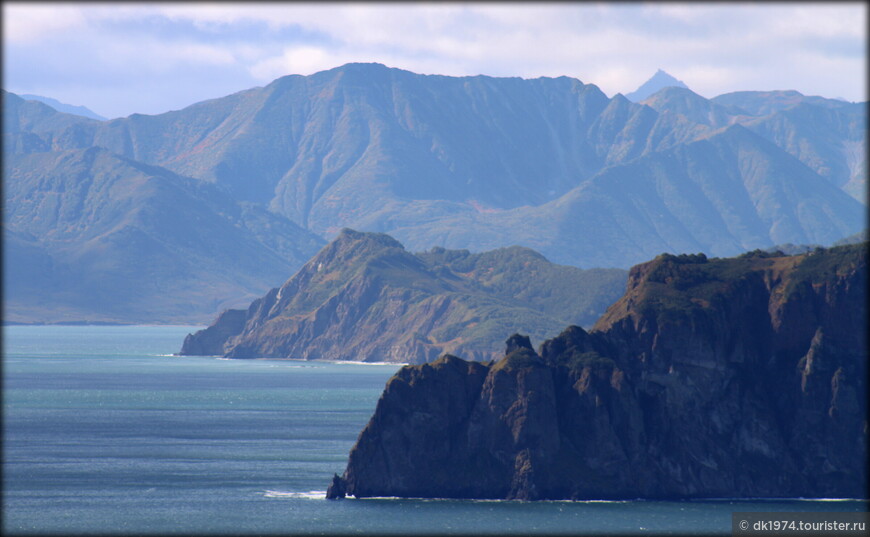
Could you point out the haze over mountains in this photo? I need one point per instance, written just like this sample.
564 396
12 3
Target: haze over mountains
83 111
95 236
212 205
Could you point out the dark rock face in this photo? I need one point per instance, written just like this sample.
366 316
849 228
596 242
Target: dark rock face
213 340
337 489
741 377
516 342
431 424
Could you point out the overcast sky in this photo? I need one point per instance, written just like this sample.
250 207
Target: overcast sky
118 59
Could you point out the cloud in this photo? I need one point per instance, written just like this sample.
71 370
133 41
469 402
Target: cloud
227 47
299 60
30 22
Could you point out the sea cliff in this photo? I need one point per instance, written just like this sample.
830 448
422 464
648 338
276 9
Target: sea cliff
740 377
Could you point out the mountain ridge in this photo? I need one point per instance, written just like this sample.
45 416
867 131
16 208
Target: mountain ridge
481 162
364 297
78 110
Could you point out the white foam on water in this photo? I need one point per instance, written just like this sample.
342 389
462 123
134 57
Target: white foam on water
354 362
310 495
798 499
831 499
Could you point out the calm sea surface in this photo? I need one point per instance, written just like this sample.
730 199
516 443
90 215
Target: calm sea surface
105 432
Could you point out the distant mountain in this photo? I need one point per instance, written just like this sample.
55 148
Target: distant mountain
481 163
686 105
831 140
730 192
856 238
364 297
362 145
90 235
795 249
762 103
63 107
658 81
710 378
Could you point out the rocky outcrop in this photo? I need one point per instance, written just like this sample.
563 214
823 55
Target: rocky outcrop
364 297
741 377
213 340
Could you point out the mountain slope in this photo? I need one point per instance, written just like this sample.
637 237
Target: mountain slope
298 138
831 140
355 145
479 163
691 108
32 126
710 378
363 297
730 192
524 275
104 238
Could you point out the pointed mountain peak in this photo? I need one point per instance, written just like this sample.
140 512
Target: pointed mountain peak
658 81
619 97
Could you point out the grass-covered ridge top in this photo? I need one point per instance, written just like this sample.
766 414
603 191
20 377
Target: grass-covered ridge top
674 287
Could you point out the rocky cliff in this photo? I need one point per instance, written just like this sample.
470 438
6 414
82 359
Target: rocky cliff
741 377
364 297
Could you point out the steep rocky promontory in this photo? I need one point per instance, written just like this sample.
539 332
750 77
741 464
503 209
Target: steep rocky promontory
364 297
740 377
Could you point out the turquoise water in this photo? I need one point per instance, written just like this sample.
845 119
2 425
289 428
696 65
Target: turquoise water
105 432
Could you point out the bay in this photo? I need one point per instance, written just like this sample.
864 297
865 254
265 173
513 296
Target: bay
105 432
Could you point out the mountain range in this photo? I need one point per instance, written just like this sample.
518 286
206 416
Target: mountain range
221 200
364 297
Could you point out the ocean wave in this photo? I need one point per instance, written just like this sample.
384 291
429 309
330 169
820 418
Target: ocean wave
310 495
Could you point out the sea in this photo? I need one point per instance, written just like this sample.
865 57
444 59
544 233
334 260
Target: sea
105 431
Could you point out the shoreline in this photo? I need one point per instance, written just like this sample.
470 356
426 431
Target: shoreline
299 360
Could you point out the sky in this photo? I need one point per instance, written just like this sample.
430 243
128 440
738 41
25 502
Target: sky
131 57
